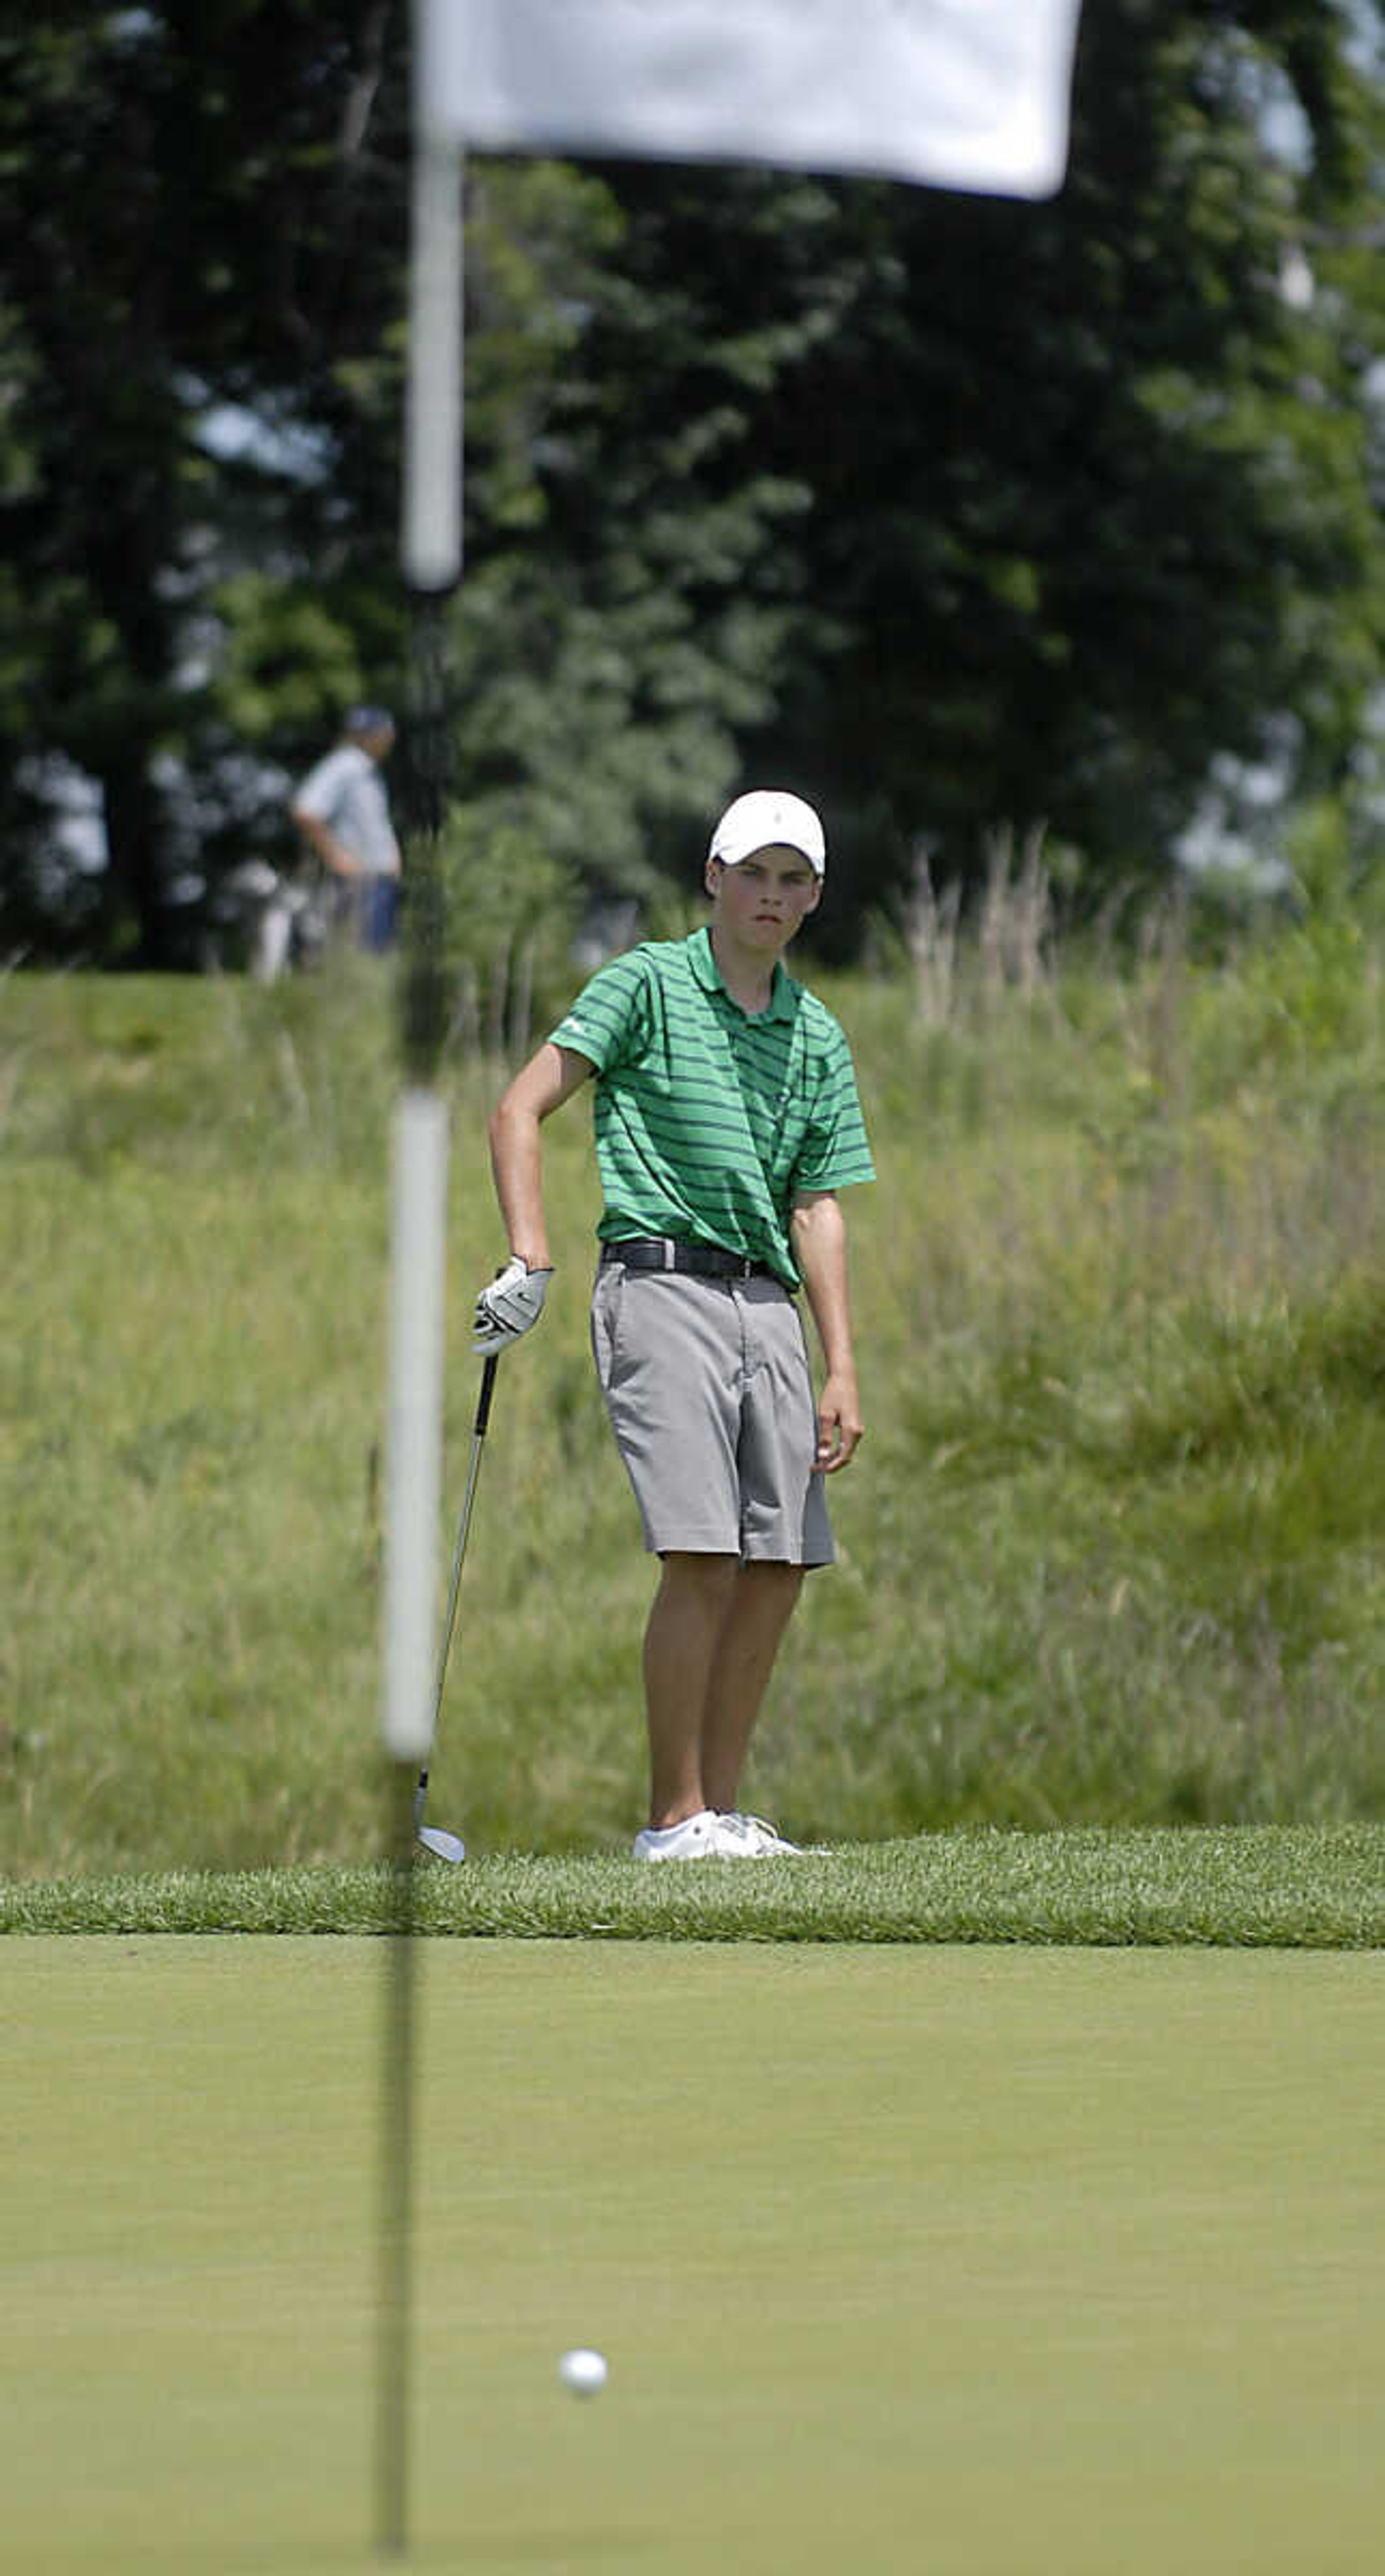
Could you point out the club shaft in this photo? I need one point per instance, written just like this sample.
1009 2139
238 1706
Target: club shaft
478 1434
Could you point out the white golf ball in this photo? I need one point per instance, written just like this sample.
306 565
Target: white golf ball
583 2372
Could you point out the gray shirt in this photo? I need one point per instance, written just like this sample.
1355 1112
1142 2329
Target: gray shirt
347 793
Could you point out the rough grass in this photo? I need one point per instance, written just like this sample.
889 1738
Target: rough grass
1110 1556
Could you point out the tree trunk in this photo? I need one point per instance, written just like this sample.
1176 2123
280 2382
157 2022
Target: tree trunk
135 825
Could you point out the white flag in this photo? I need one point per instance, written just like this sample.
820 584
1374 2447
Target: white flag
963 93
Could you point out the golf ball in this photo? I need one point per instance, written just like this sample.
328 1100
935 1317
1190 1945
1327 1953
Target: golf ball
583 2372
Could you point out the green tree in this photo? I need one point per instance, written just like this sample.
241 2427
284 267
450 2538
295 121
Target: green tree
195 236
1091 498
952 512
621 625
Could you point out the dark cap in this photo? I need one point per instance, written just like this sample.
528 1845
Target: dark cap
358 720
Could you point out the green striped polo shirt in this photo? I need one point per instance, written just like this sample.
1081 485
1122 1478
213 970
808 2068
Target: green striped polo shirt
710 1119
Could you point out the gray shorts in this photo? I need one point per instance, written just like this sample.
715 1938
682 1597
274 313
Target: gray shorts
708 1388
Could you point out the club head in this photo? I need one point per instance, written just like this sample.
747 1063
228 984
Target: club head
442 1846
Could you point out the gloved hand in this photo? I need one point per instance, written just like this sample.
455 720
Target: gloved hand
510 1306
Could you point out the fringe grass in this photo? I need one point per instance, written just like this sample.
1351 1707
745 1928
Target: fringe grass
1273 1888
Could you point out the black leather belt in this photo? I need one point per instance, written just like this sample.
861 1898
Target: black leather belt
696 1260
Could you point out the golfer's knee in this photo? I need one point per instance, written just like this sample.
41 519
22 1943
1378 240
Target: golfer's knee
784 1582
710 1578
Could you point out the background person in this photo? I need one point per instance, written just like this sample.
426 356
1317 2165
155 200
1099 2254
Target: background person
342 810
726 1119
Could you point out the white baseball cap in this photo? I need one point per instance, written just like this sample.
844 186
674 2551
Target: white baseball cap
769 819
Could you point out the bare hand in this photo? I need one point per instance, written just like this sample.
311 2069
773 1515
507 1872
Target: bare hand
839 1425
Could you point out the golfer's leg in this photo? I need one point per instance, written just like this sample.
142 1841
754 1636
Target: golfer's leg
690 1611
759 1611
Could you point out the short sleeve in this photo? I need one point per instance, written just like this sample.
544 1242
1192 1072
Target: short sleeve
320 792
836 1152
609 1021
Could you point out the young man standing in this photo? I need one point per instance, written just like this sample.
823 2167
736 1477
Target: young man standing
726 1121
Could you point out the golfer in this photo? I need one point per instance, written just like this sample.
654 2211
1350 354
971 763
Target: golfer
726 1121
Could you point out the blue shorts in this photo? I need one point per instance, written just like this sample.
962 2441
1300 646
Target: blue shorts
379 913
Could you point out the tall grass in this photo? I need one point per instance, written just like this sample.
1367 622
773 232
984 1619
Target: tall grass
1111 1552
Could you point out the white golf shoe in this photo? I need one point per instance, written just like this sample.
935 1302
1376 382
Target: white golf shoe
754 1839
694 1838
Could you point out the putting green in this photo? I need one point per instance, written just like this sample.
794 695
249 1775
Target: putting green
985 2262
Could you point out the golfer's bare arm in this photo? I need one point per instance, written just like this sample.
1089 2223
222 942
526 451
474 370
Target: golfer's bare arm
818 1232
548 1079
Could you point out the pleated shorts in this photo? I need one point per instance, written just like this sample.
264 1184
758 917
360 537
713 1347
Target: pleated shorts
710 1397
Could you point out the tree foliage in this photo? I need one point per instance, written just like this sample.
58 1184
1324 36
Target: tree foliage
952 512
1090 500
200 241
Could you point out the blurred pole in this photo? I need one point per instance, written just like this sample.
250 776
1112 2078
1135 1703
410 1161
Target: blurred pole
431 556
398 2069
432 512
417 1291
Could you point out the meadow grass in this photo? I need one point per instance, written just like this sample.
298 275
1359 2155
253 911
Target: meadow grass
1111 1554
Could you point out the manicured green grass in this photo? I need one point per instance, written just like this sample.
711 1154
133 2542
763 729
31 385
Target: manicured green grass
1002 2262
1275 1887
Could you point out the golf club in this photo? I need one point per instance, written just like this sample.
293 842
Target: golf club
445 1846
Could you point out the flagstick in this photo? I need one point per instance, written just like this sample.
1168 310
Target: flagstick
394 2332
413 1494
432 530
431 555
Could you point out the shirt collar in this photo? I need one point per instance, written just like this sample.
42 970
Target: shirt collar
709 976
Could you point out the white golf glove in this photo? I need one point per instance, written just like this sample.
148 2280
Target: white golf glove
510 1306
